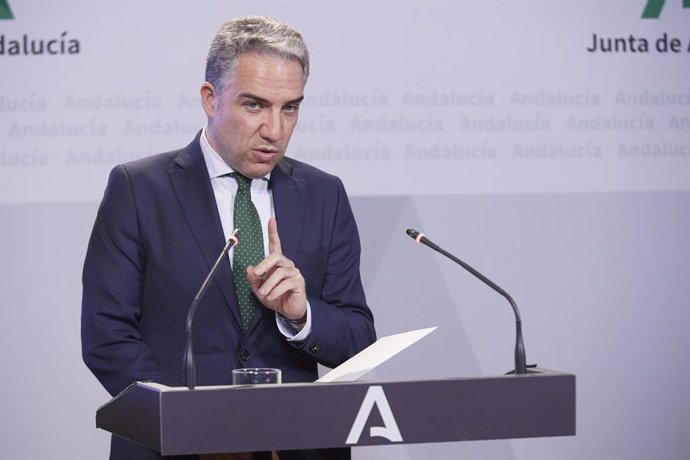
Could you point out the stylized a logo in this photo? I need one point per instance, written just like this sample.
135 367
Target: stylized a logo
654 7
389 430
5 11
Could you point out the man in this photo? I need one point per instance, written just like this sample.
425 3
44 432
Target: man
164 220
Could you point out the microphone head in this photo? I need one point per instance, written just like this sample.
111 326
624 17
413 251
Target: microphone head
412 233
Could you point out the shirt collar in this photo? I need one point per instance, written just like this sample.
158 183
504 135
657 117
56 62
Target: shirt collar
216 166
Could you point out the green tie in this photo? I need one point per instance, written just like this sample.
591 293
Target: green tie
249 250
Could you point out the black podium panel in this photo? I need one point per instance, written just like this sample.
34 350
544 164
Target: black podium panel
175 420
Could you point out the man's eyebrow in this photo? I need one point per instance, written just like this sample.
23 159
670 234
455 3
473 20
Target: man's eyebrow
266 101
296 101
252 96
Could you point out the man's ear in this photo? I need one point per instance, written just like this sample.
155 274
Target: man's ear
208 98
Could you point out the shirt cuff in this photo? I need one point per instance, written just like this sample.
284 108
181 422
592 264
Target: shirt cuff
290 332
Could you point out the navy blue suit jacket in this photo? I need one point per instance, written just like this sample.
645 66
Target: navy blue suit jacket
156 235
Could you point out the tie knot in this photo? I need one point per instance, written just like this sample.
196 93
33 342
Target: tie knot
243 182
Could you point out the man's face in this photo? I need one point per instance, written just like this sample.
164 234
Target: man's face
251 122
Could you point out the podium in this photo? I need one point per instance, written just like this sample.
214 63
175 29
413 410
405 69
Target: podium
176 420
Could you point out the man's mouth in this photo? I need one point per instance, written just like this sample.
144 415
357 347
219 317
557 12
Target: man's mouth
265 154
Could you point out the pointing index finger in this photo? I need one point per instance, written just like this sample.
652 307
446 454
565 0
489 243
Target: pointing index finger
273 238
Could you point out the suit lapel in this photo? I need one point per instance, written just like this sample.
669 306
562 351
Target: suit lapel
288 201
190 181
288 193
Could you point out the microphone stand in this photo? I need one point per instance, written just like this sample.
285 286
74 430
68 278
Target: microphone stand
520 356
188 358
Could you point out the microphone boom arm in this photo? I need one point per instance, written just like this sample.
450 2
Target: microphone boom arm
188 358
520 356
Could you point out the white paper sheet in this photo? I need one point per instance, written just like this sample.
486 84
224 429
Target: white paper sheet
375 354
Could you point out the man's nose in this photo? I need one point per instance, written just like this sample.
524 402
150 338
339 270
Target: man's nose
272 127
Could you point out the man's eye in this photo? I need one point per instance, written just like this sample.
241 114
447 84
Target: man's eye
292 108
252 105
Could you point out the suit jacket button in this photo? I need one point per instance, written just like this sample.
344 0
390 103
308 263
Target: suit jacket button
245 355
315 348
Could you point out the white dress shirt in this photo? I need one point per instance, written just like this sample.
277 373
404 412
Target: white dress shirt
224 188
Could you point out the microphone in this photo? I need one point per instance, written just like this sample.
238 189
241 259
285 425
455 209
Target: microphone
188 358
520 358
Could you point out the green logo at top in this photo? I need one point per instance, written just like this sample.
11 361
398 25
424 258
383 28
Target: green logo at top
5 11
651 11
654 7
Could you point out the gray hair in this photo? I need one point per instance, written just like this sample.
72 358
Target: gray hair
252 34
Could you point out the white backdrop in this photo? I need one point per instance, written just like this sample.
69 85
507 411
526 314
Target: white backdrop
562 173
